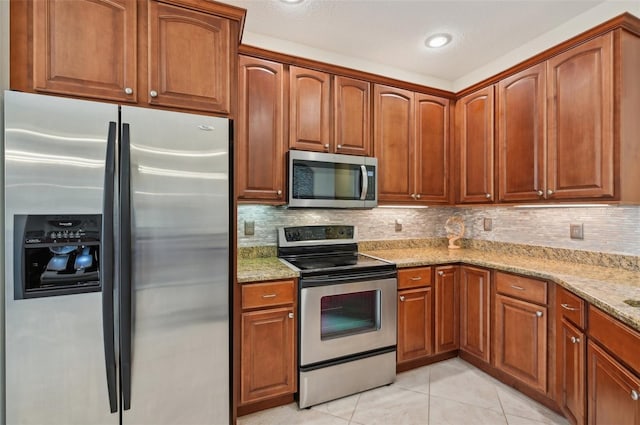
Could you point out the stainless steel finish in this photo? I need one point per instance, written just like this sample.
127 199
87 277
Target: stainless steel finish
568 307
290 315
401 297
549 192
540 193
519 288
365 182
319 385
269 296
575 340
488 196
313 349
539 313
128 90
179 197
440 273
55 366
635 396
282 241
335 158
153 93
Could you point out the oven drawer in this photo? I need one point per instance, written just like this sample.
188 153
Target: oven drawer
344 319
257 295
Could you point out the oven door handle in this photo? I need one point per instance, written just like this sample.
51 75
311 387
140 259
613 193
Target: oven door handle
324 280
365 182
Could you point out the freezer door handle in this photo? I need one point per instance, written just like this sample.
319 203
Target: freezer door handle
107 268
125 267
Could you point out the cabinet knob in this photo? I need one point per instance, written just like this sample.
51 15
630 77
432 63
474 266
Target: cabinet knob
487 195
339 147
326 146
413 195
575 340
290 315
539 313
128 90
417 196
540 193
634 395
549 192
440 273
401 297
153 93
279 192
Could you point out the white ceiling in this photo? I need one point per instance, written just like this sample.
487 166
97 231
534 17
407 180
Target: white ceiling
391 33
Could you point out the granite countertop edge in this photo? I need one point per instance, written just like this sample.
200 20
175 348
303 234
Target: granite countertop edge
603 287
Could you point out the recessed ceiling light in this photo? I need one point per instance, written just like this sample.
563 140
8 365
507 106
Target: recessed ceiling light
438 40
291 1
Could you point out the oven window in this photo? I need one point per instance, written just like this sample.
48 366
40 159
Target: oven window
348 314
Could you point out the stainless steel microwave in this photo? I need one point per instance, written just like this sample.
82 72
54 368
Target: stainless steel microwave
325 180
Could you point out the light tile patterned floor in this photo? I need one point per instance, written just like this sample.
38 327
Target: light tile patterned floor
449 392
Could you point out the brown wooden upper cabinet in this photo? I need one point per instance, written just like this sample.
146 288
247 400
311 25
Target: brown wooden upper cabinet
146 52
309 109
474 125
411 142
352 112
260 142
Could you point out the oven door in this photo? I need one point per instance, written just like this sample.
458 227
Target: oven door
343 319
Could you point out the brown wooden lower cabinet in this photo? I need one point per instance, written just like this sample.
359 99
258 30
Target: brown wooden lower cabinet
614 391
571 371
474 312
415 324
446 308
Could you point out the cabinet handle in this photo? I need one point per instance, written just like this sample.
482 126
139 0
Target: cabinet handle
634 395
487 195
401 297
539 313
568 307
549 192
279 192
416 278
440 273
540 193
153 93
128 90
519 288
269 296
575 340
290 315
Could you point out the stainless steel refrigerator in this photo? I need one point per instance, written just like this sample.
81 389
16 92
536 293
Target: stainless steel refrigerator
117 264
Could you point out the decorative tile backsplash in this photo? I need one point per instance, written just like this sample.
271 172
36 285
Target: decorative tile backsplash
610 229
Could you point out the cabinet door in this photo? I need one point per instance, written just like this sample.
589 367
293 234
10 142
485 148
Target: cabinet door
393 138
189 59
474 116
580 121
352 100
85 48
267 366
611 390
432 149
446 309
521 135
571 372
474 311
415 324
309 127
521 340
260 144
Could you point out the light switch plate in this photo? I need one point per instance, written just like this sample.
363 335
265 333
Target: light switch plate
249 228
576 231
487 224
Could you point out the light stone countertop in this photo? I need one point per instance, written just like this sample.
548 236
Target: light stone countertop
604 287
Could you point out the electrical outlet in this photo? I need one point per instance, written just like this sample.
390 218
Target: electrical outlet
488 224
249 228
576 231
398 225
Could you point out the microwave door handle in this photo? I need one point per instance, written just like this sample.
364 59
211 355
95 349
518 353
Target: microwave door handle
365 182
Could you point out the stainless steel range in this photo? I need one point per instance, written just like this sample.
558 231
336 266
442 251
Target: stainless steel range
347 320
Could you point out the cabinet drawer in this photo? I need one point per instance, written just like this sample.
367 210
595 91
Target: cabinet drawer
522 287
618 338
413 278
267 294
571 307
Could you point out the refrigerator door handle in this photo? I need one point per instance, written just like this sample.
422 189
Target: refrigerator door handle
125 267
107 268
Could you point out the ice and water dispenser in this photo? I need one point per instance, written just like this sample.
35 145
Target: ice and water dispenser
60 255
